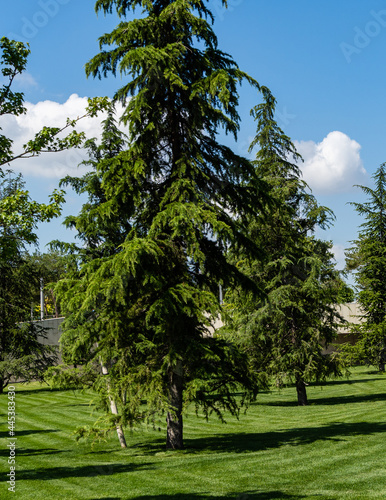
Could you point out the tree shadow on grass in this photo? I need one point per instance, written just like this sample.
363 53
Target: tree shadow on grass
339 400
157 446
360 398
343 381
107 498
55 473
29 452
248 495
253 442
19 434
24 391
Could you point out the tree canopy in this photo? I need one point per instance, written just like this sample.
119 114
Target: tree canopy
170 204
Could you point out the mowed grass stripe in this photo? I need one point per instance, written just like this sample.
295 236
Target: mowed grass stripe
331 449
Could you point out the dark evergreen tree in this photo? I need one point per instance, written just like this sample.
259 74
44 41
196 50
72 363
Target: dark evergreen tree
177 199
285 333
368 259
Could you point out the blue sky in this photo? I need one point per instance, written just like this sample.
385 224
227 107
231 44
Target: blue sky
323 61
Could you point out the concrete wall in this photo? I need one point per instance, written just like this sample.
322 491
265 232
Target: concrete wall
350 312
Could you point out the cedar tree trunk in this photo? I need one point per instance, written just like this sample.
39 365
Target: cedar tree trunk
382 358
302 393
174 439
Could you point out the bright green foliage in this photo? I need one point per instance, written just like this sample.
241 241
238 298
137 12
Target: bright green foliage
346 292
20 216
368 258
285 333
14 60
169 204
21 354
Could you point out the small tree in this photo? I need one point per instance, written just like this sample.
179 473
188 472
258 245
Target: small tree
285 333
368 258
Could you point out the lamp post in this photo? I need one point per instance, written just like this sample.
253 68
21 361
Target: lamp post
41 299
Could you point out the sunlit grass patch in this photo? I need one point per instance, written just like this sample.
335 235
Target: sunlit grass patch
332 449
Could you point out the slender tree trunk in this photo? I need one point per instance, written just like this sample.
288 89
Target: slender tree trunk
302 392
114 410
174 437
382 358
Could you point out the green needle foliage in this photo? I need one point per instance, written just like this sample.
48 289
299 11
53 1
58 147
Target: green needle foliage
368 258
285 333
163 210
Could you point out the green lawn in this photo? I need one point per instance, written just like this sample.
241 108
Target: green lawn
333 449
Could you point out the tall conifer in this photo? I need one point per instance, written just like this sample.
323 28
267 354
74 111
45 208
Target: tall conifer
368 258
285 333
180 199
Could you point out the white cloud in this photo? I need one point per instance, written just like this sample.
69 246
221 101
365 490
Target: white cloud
332 165
52 114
